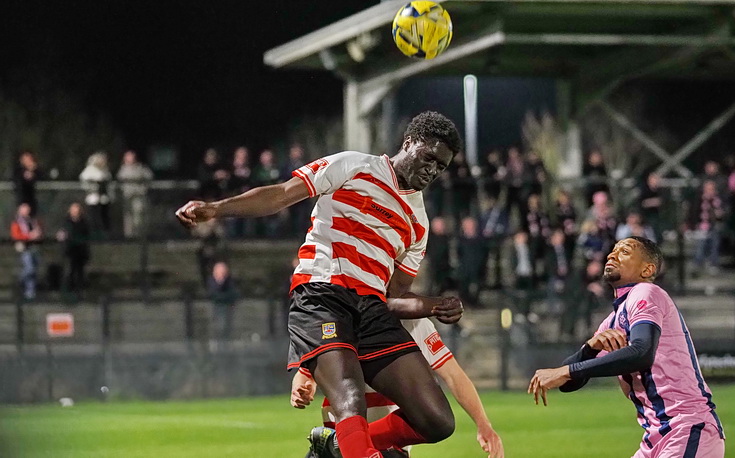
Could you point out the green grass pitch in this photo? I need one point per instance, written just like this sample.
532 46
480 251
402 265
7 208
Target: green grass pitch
596 421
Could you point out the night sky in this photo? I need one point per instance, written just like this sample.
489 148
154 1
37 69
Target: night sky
180 72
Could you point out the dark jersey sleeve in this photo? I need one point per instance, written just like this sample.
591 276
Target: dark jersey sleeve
583 354
637 356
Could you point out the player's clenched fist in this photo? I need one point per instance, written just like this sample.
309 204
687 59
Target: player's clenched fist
195 211
608 340
449 310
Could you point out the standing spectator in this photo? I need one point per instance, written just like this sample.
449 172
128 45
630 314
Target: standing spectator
464 188
240 182
298 213
26 232
96 178
558 267
601 212
134 177
634 226
440 267
25 175
538 227
590 244
652 202
589 296
471 253
523 271
494 228
223 293
595 172
213 176
75 234
211 236
265 174
516 181
706 220
493 172
537 173
566 217
712 172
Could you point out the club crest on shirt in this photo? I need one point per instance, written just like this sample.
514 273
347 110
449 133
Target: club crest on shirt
329 330
623 321
434 342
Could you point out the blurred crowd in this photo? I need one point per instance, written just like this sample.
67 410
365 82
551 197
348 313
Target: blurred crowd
504 223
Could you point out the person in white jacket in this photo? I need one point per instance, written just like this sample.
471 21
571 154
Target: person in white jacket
96 178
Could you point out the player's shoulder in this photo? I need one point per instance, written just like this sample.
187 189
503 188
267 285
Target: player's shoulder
650 292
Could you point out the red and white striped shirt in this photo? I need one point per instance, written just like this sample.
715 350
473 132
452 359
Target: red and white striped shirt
363 225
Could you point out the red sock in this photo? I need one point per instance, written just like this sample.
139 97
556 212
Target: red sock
393 431
354 439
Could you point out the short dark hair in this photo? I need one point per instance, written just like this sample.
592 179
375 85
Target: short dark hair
431 125
652 252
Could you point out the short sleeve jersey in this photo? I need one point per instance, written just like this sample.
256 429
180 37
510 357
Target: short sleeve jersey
673 389
363 225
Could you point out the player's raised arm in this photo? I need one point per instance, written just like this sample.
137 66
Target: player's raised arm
261 201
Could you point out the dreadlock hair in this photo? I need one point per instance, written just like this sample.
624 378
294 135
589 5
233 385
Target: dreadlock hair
652 252
431 125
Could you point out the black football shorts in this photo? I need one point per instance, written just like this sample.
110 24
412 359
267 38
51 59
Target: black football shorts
324 317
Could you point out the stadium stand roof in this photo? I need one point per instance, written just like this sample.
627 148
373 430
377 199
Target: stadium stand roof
591 46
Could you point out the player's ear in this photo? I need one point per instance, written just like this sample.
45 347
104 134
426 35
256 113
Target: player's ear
649 271
406 143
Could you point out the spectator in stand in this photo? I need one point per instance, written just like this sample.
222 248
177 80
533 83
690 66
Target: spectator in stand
558 267
75 234
517 183
494 227
437 195
595 172
223 293
26 233
96 179
589 243
265 174
602 213
299 213
651 199
240 182
712 172
493 172
211 246
537 173
134 178
538 227
588 295
25 175
523 271
706 220
472 258
634 226
464 188
440 269
213 176
566 217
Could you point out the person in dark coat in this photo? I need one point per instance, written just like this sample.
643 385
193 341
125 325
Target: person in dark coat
75 234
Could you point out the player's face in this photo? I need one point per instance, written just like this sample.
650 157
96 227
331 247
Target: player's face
424 163
626 264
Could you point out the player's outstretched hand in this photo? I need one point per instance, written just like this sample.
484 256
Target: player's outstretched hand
608 340
449 310
490 441
546 379
195 211
302 395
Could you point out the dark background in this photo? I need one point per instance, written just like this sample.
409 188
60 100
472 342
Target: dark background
178 72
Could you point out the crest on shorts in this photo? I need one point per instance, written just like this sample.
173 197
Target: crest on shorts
329 330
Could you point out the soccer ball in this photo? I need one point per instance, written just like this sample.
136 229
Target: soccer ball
422 29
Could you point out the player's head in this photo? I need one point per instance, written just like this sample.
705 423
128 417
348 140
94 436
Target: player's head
633 260
429 144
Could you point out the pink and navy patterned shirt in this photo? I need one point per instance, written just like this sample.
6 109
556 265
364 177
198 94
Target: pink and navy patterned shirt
673 390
